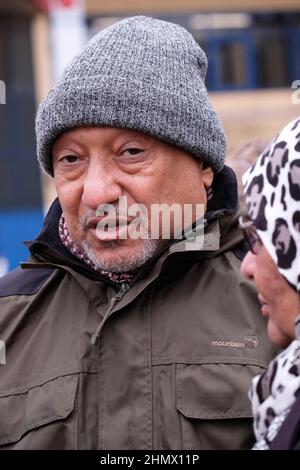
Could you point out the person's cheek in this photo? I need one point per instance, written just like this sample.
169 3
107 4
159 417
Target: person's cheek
276 335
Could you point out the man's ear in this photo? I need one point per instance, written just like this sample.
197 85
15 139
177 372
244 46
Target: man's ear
207 175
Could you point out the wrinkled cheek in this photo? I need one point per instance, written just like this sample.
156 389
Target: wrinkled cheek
71 215
74 228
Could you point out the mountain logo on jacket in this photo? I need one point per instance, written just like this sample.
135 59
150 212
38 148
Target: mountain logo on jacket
249 341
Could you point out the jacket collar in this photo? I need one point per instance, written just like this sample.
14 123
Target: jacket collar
225 194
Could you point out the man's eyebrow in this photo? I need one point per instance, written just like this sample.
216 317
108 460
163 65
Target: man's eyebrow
59 147
132 135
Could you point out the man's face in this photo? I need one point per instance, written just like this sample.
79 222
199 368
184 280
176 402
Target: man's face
280 303
94 166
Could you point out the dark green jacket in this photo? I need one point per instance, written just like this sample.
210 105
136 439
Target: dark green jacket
173 359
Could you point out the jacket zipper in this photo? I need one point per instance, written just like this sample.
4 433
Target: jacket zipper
114 301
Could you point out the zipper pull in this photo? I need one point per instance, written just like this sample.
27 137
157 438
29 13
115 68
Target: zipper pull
115 299
123 289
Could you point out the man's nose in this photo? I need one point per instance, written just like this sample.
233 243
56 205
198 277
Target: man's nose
248 265
100 187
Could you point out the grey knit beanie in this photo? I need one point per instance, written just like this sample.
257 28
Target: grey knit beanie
142 74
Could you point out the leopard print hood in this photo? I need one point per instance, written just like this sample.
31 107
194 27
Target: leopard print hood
272 193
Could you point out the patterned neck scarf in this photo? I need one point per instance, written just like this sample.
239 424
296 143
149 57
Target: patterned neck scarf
273 393
76 251
272 192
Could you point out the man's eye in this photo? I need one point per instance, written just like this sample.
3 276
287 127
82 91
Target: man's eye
132 151
69 159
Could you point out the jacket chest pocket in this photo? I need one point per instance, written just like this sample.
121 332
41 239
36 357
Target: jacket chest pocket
41 416
213 405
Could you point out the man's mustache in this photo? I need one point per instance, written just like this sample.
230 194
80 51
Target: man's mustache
92 218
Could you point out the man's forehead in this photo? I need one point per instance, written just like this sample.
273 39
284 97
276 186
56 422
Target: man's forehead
77 134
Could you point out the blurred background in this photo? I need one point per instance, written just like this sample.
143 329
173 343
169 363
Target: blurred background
253 51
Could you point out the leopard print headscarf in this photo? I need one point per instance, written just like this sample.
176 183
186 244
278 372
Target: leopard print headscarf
272 192
273 394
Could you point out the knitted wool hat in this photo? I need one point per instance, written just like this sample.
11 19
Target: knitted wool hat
142 74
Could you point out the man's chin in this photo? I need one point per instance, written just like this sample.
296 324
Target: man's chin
120 256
